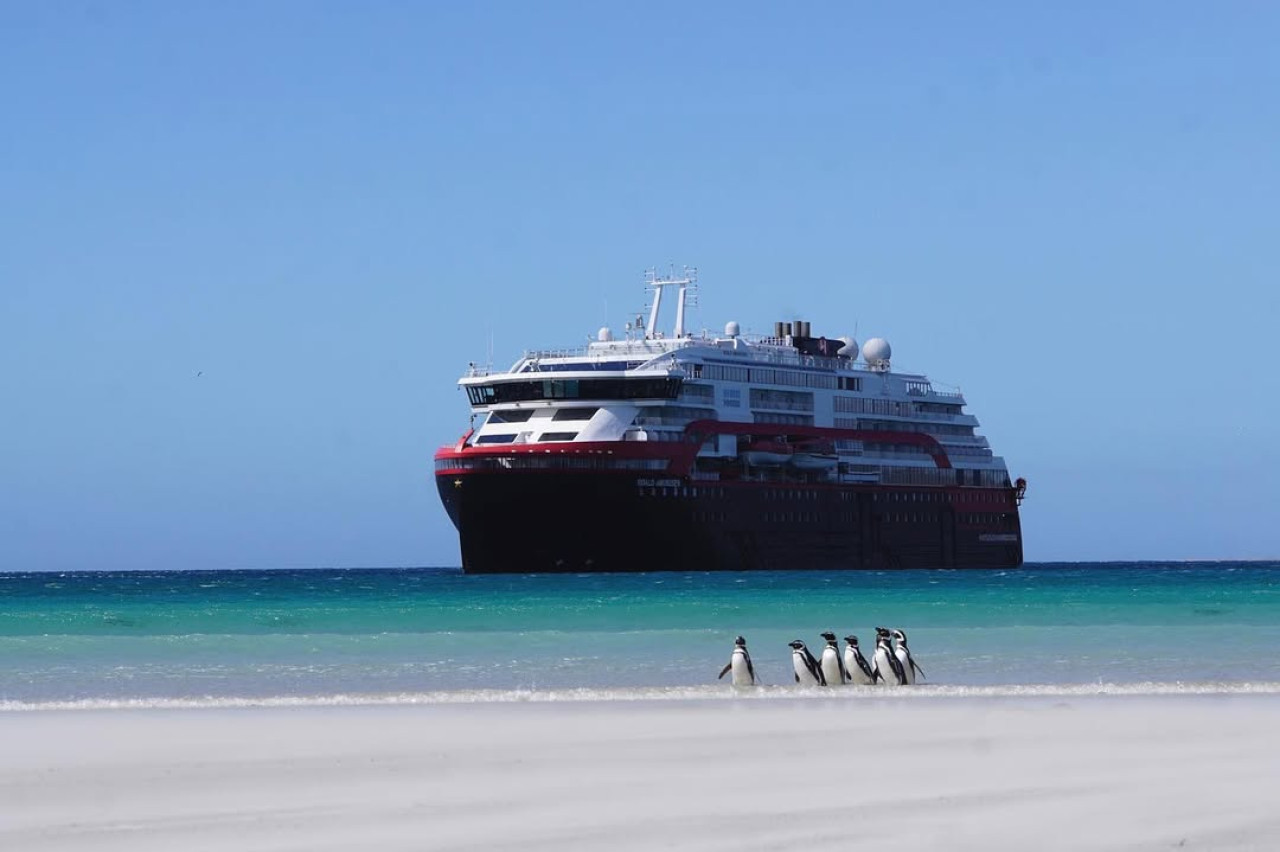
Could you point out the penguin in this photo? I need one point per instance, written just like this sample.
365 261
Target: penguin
903 653
807 670
744 674
886 667
832 663
859 669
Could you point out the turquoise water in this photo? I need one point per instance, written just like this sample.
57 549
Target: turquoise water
207 636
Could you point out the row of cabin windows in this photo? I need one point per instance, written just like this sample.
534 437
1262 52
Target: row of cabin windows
913 449
900 475
909 517
972 452
698 393
790 517
680 491
796 378
672 415
526 391
938 408
871 405
789 494
980 518
900 426
785 419
774 376
846 518
914 497
790 400
941 497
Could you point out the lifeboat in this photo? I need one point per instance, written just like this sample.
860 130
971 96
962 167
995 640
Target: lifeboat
815 455
815 461
767 453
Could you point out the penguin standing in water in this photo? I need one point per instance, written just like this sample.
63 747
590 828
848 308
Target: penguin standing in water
856 665
744 674
903 653
886 667
808 672
832 663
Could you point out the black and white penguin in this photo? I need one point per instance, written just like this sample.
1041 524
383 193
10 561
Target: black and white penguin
903 653
808 672
832 663
856 665
886 667
744 674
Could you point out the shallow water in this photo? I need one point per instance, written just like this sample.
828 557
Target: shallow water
180 638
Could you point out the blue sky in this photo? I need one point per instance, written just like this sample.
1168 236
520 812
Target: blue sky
329 209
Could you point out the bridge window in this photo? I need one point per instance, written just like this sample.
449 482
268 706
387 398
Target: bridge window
518 416
574 413
525 391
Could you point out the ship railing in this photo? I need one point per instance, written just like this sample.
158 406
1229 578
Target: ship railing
781 352
933 393
572 352
628 348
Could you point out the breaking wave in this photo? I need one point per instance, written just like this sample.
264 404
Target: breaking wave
680 693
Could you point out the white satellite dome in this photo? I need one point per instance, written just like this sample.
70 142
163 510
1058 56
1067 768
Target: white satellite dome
877 351
605 334
732 329
849 347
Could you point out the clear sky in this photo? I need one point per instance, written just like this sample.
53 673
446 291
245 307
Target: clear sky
328 209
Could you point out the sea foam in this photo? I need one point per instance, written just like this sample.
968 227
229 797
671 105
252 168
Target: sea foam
680 693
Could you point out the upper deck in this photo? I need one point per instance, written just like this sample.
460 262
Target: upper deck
789 386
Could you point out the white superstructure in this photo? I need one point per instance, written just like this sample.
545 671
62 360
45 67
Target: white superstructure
648 386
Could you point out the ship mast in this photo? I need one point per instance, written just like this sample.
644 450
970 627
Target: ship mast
686 284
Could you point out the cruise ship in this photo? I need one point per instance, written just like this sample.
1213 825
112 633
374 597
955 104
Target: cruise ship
682 451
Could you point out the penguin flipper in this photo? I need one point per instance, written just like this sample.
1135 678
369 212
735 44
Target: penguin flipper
751 670
897 671
724 671
917 668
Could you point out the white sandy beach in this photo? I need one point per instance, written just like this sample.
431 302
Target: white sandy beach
1044 773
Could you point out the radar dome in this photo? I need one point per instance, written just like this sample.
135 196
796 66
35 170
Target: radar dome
604 335
732 329
877 351
849 347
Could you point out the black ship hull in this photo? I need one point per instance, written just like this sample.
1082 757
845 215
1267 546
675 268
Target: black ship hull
554 521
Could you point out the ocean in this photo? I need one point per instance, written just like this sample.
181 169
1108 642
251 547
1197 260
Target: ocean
227 638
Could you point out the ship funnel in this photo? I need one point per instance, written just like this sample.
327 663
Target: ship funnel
777 329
